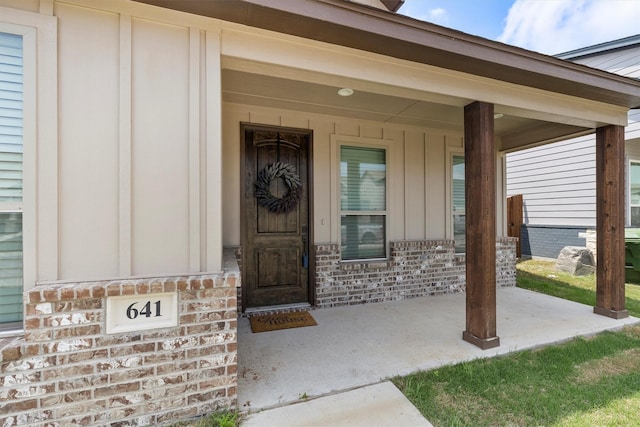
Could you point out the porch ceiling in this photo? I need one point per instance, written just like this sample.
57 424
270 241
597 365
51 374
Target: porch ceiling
295 95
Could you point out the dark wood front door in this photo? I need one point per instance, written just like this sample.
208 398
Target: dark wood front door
275 246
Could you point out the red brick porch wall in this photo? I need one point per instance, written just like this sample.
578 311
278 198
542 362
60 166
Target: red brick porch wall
65 370
414 269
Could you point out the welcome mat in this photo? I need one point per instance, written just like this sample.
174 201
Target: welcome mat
275 321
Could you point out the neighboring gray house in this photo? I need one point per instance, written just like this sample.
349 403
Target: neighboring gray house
557 180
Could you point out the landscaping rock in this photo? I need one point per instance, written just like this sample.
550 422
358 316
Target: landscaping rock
576 260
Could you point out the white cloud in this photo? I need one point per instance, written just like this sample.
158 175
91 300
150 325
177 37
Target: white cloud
437 14
555 26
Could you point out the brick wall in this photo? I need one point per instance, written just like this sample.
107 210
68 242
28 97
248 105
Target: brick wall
506 261
65 370
414 268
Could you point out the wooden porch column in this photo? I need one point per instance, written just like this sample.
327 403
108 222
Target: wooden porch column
610 213
480 211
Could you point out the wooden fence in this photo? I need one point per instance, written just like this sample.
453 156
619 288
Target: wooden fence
514 219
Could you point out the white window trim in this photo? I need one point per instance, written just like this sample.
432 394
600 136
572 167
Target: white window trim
40 140
451 152
338 141
630 161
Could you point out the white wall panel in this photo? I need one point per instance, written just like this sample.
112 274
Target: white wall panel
396 185
231 175
415 216
160 148
88 144
322 172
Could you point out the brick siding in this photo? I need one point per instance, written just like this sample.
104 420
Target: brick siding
65 370
414 268
506 261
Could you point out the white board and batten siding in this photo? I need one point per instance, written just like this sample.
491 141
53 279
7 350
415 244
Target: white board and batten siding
417 168
138 170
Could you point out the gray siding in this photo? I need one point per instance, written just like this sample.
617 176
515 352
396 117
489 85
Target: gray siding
557 182
622 62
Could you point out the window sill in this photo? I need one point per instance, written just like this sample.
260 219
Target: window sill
362 264
11 333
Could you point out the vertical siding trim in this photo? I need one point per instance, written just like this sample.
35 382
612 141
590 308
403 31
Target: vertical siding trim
30 162
213 153
47 156
334 170
406 184
124 149
40 200
194 150
425 170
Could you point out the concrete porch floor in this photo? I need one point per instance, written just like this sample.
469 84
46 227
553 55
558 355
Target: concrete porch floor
361 345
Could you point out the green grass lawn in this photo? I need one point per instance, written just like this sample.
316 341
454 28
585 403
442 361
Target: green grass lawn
586 382
541 276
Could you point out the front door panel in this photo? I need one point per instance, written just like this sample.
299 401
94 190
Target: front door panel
275 244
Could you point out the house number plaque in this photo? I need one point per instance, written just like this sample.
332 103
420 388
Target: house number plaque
141 312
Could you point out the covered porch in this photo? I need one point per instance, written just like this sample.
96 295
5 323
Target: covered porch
359 345
421 94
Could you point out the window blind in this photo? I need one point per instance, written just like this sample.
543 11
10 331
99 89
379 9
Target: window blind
458 205
11 143
10 118
363 177
10 267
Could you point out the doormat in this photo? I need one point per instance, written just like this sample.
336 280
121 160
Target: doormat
276 321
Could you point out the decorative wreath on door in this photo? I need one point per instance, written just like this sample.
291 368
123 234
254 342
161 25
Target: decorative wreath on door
286 172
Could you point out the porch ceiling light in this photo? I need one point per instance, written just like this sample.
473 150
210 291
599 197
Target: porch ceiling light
498 115
345 91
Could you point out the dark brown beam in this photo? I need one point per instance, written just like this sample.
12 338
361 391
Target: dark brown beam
480 212
610 213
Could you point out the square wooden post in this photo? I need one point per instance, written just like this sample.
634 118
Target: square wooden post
610 213
480 211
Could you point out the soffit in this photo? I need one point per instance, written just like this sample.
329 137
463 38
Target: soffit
294 95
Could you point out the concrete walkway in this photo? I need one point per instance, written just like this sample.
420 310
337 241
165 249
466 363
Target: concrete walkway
379 405
362 345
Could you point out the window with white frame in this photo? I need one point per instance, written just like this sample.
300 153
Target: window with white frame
363 202
458 203
11 158
634 194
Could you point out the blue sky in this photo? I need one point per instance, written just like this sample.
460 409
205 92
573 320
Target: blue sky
546 26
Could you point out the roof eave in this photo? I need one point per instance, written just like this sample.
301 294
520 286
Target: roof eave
352 25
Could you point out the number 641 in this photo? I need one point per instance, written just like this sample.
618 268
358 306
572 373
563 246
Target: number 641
146 311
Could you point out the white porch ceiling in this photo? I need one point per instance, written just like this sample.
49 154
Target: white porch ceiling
511 131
